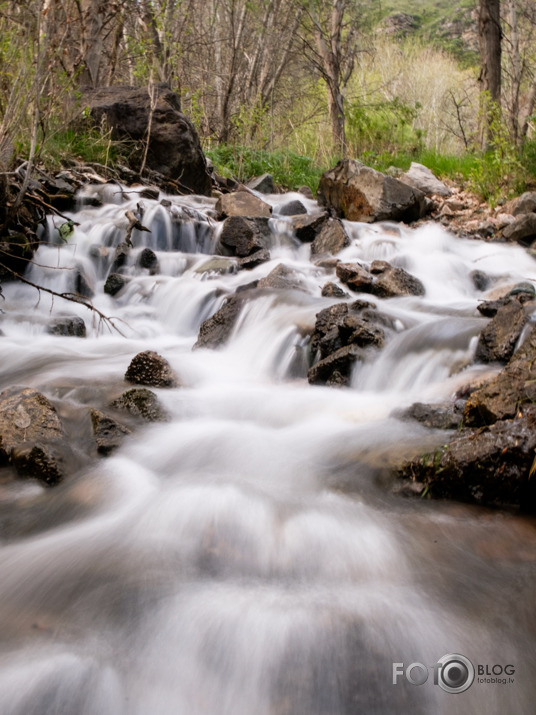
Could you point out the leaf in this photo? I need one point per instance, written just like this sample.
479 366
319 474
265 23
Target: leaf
66 230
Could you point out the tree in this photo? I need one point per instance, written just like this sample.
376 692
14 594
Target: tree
490 35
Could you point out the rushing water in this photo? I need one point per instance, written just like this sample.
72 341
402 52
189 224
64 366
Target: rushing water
249 556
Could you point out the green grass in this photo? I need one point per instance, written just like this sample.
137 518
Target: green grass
288 169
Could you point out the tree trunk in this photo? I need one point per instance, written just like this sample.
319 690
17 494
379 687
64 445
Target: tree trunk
490 35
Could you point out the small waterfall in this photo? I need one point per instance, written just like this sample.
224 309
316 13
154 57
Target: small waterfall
247 556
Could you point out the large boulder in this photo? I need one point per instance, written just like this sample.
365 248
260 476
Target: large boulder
215 331
242 203
174 147
525 204
331 238
282 278
420 177
241 236
358 193
522 230
498 339
31 435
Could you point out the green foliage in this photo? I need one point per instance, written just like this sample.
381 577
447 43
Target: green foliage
86 144
288 169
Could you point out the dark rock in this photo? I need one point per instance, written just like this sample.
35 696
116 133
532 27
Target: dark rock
68 326
215 331
16 250
445 415
394 282
247 286
150 368
326 321
255 259
109 434
147 259
31 435
307 226
122 252
331 238
244 236
306 191
522 230
83 285
355 276
332 290
141 402
282 278
489 466
242 203
514 386
525 204
359 193
174 147
149 192
498 339
480 280
114 283
263 184
355 330
292 208
336 366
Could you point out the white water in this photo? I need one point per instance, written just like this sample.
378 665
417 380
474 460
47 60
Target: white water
248 556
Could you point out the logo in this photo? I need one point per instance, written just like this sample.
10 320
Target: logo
454 673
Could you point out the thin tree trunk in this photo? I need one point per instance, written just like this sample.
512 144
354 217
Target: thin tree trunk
516 71
490 35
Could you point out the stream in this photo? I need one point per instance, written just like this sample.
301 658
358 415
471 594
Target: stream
251 555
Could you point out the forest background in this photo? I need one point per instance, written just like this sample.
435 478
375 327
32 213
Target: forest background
285 86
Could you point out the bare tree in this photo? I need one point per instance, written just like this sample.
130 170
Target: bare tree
490 36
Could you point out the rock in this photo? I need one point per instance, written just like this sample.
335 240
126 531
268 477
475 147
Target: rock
108 433
420 177
504 220
337 366
489 466
141 402
68 326
355 330
525 204
114 283
122 252
174 147
501 397
149 192
83 285
282 278
355 276
326 321
217 265
332 290
307 226
445 415
292 208
330 238
255 259
306 191
215 331
522 230
498 339
150 368
147 259
263 184
243 236
359 193
393 282
16 250
242 203
31 435
481 281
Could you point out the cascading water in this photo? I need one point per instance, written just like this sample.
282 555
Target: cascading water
248 555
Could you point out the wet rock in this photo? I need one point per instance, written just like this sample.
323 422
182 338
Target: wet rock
68 326
336 367
215 331
217 265
355 277
490 465
147 259
114 283
420 177
522 230
282 278
356 330
481 281
445 415
141 402
498 339
525 204
392 282
514 386
242 203
263 184
307 226
306 191
31 435
292 208
327 320
359 193
332 290
150 368
243 236
174 147
149 192
255 259
16 250
122 252
83 284
330 238
109 434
